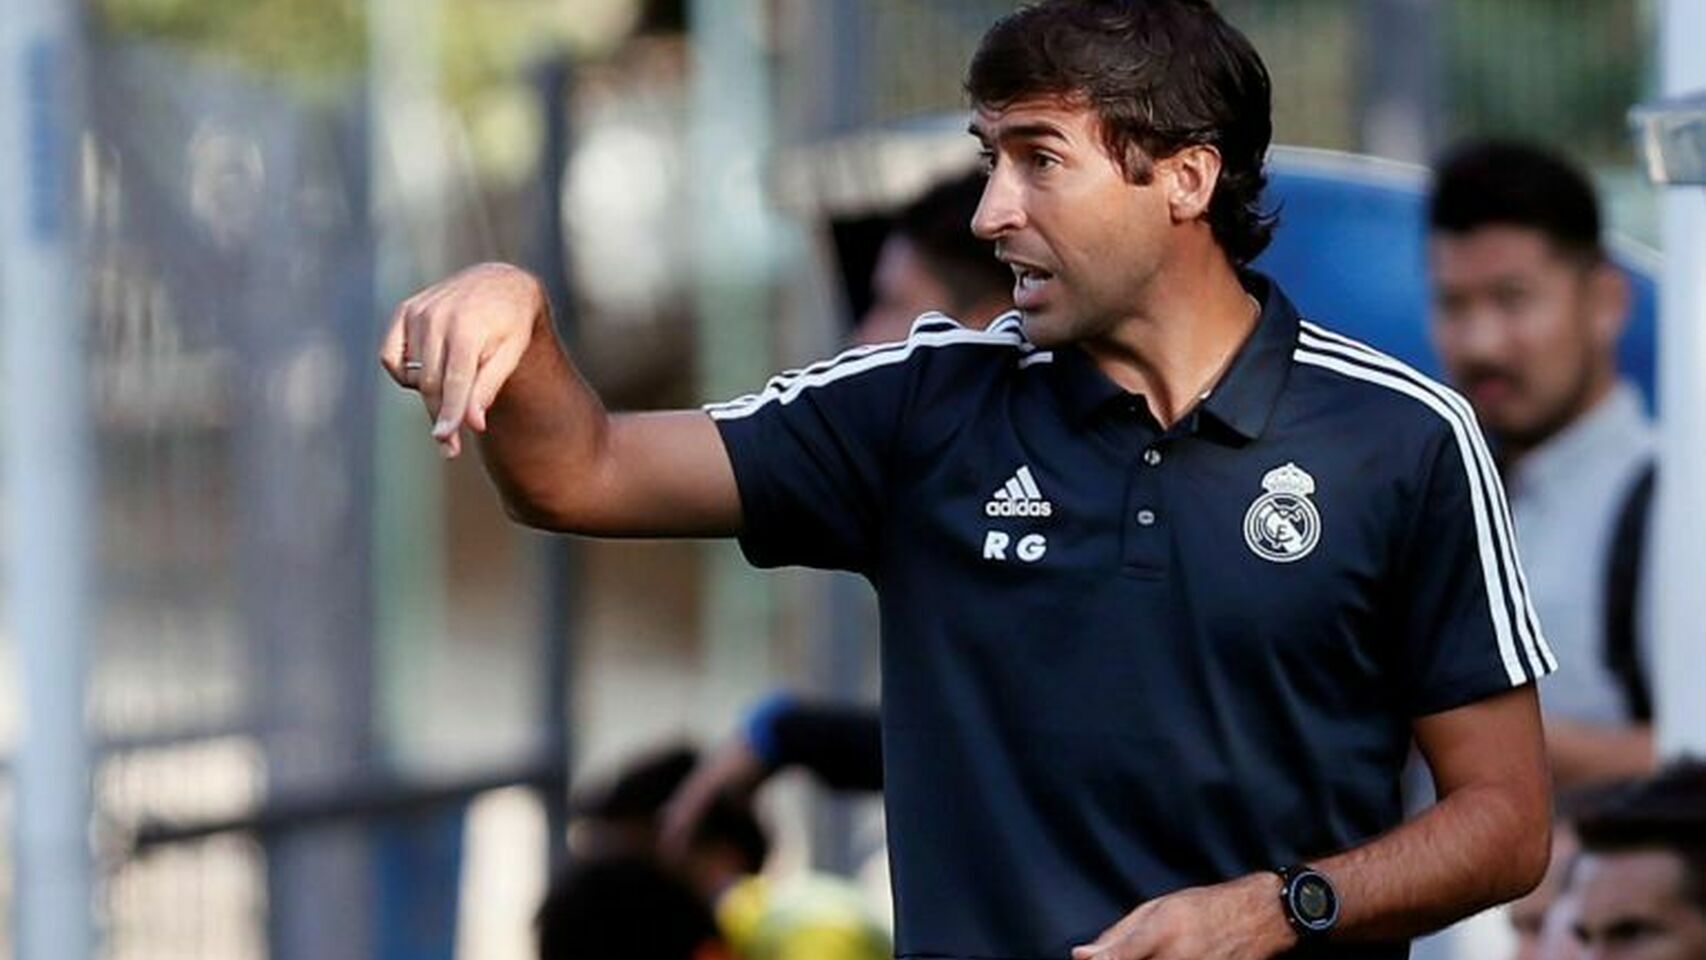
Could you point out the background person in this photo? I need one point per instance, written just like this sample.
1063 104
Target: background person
1639 884
930 260
801 916
1528 310
622 908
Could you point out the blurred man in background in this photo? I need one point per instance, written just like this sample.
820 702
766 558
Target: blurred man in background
1528 310
722 856
622 909
931 261
1638 888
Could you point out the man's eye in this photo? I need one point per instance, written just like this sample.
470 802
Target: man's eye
1044 161
1510 299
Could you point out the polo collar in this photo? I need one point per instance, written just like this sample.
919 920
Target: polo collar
1243 400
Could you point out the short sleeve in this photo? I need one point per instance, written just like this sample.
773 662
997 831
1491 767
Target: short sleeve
811 455
1466 624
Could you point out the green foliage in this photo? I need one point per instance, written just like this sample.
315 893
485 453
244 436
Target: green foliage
318 41
1560 71
323 43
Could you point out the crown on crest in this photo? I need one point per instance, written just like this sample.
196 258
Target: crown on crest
1291 479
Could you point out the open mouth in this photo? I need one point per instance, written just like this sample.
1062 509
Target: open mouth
1029 285
1029 279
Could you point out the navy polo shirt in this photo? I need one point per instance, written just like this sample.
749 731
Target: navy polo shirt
1118 659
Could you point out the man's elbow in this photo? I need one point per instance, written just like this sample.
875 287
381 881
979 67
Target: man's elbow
527 513
537 508
1527 855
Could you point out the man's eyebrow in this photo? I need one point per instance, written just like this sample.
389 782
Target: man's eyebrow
1034 130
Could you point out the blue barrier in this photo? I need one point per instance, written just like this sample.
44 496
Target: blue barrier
1351 252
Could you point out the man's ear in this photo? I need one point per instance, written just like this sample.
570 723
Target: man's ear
1189 177
1608 303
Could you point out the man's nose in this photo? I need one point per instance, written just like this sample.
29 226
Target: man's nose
1484 334
1472 335
999 212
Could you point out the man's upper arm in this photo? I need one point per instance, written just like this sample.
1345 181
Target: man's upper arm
1464 624
653 474
670 476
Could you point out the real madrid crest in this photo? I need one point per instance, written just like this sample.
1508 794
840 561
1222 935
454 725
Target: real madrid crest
1283 524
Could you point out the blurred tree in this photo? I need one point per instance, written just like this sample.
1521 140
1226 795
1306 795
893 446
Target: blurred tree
1560 71
323 41
322 44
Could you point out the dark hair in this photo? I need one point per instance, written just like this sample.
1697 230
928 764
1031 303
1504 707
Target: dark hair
1666 811
939 225
641 789
1487 183
618 909
1161 75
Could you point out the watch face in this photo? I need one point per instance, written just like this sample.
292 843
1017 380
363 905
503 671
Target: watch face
1314 900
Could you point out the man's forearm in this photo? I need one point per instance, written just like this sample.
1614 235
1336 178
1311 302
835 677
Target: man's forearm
1583 753
545 425
1477 847
561 462
480 350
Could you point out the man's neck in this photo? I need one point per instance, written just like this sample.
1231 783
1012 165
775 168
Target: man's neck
1173 348
1594 395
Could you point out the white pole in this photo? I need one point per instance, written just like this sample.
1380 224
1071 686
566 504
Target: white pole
1679 524
47 470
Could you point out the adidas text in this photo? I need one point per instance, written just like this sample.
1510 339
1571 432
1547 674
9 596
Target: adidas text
1019 508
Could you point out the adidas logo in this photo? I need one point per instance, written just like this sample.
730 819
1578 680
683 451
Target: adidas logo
1019 497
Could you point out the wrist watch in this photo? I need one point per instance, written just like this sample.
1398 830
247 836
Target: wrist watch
1310 903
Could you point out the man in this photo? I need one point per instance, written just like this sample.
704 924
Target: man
1528 312
1639 885
1120 720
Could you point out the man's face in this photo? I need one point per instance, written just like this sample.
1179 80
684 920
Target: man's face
1632 906
1082 239
1526 332
902 287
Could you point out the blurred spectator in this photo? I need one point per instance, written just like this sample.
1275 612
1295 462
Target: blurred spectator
1528 310
1638 888
931 261
619 818
840 745
1528 916
1542 920
807 917
625 908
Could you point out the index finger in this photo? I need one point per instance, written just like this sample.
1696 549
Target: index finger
461 363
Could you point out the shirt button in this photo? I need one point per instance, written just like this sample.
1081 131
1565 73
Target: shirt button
1146 518
1152 457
